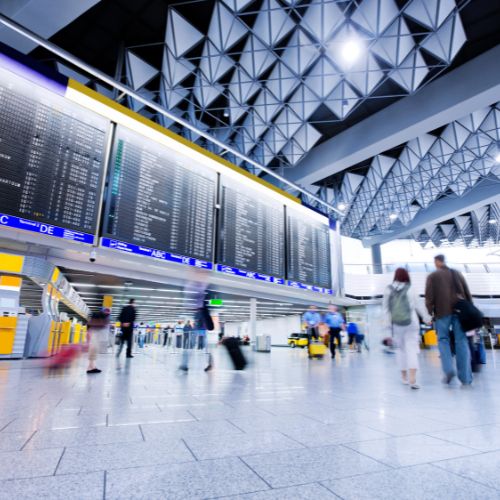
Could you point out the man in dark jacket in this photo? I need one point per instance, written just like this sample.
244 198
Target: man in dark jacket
443 289
127 319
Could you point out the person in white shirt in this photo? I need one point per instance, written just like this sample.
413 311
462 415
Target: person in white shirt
401 306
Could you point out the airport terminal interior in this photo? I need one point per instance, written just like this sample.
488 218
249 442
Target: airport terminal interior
250 249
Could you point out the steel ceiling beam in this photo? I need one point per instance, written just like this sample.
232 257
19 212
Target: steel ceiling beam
484 193
470 87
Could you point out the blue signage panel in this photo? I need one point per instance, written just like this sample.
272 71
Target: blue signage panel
311 288
154 253
48 229
234 271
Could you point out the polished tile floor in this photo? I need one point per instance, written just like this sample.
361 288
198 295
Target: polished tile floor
286 428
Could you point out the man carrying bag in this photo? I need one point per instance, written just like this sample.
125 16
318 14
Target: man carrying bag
446 293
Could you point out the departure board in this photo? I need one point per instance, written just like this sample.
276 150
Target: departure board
308 250
158 198
252 230
51 157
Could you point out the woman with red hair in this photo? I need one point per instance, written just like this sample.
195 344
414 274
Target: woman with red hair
401 307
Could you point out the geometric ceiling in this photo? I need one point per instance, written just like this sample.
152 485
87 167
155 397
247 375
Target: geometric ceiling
448 163
478 228
268 77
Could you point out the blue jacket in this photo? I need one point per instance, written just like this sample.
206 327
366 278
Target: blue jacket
312 318
334 320
352 328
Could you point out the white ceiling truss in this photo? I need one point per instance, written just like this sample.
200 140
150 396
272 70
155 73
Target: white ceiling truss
429 168
269 76
478 228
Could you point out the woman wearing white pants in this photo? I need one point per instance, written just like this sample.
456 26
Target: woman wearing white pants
401 307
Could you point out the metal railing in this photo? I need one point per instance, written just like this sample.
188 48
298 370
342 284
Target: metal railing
422 267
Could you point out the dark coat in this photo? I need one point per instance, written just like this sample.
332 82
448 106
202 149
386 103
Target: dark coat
442 292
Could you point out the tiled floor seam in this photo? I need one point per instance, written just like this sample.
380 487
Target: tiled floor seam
336 494
104 485
234 425
255 472
142 433
59 461
478 452
27 441
7 425
367 456
436 464
189 449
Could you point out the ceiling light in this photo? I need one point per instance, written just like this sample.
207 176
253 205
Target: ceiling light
393 216
342 206
351 49
492 221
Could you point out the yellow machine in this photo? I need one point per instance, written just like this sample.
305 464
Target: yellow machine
298 340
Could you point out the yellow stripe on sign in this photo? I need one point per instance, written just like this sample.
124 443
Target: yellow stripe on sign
14 281
55 275
11 263
77 86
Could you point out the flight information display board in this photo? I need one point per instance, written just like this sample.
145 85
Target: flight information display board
159 199
308 250
252 232
51 158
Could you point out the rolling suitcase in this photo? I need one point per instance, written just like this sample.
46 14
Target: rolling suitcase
232 345
317 349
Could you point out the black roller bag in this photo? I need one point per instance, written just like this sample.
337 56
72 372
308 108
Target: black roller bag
232 345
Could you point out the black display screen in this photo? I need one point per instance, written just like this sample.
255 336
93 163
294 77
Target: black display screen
308 250
158 198
252 231
51 156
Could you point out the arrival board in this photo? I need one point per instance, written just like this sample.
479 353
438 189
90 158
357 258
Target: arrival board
252 231
51 155
308 250
158 198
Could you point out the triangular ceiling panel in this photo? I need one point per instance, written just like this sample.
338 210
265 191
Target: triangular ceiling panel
180 36
375 15
225 29
322 19
273 23
256 58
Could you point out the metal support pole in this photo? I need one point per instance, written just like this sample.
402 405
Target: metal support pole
67 56
377 259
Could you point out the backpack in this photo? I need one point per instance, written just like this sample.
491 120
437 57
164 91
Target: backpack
399 306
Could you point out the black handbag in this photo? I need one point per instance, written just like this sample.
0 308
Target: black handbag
469 316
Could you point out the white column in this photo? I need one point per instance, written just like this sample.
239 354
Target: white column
253 320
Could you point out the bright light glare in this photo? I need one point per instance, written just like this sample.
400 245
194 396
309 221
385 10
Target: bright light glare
351 50
341 206
497 157
393 216
492 221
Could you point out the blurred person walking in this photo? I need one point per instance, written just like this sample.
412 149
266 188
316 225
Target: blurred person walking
98 331
312 318
178 334
401 308
336 323
127 319
444 288
196 296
